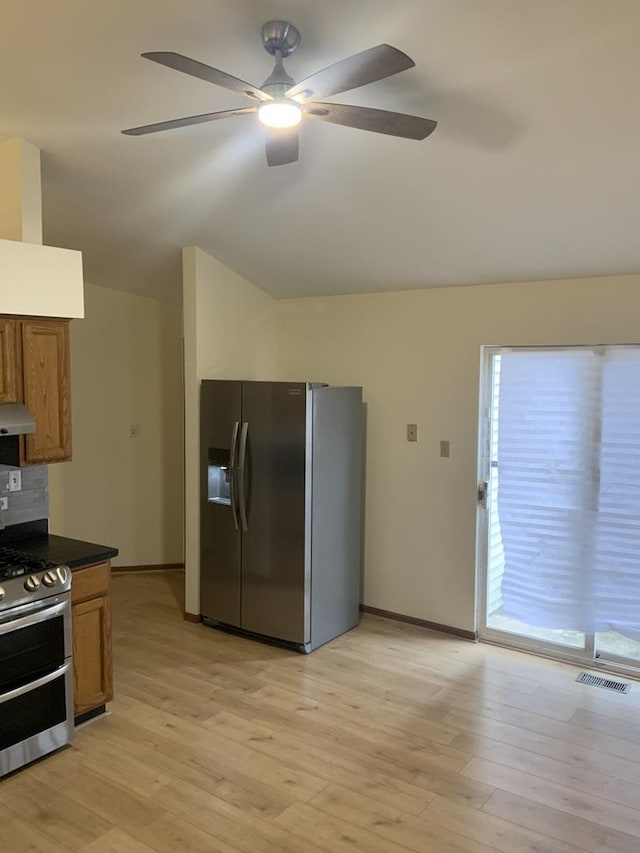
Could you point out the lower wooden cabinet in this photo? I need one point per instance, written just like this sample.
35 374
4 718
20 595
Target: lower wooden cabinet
91 618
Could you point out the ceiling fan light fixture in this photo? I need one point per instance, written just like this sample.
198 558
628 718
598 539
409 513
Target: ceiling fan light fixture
280 113
282 103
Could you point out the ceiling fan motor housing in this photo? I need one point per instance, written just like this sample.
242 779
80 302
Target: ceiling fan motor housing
280 37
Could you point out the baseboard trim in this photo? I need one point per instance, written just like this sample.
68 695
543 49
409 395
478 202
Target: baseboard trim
192 617
158 567
422 623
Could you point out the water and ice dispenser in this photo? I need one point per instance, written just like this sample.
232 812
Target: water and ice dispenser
219 476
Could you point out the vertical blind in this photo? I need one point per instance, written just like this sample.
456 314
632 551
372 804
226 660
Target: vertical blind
569 498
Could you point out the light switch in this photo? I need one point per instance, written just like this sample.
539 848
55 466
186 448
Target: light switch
412 432
15 481
444 449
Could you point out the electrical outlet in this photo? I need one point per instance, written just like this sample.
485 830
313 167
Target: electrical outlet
134 431
4 503
15 481
412 432
444 449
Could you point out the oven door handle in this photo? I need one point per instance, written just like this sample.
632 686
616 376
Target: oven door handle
33 685
41 615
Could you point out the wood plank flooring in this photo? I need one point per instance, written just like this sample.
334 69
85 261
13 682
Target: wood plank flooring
390 739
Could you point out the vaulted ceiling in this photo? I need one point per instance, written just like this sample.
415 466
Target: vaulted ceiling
532 173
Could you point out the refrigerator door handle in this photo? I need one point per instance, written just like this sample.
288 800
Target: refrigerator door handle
232 472
242 452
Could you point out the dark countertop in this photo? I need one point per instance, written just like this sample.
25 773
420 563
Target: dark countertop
33 537
70 552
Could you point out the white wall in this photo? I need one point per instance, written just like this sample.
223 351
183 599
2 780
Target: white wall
40 281
34 279
20 191
126 368
417 355
228 334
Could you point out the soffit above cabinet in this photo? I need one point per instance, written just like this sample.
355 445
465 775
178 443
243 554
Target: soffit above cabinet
40 281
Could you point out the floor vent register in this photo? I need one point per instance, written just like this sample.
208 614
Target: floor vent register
605 683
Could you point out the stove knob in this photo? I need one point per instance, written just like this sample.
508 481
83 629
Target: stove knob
49 578
2 593
63 573
32 583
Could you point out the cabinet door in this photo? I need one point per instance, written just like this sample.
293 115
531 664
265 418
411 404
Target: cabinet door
45 365
8 369
92 668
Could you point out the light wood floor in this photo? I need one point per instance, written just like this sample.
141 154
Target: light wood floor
389 739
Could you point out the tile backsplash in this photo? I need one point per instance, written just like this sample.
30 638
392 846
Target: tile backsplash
31 502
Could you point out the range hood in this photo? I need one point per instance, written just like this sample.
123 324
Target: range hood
16 419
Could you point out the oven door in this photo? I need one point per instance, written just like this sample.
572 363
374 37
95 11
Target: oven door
36 719
34 639
36 681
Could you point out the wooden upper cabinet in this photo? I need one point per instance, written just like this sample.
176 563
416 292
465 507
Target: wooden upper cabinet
8 366
44 352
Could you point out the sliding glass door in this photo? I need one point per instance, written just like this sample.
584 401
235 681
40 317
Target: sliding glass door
560 526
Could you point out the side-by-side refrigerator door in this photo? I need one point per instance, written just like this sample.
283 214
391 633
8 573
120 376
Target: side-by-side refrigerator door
220 537
272 509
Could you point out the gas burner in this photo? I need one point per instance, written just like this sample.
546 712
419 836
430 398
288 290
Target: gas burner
26 578
14 563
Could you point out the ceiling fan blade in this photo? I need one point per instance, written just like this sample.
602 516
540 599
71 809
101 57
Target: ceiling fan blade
378 121
373 64
185 122
206 72
281 146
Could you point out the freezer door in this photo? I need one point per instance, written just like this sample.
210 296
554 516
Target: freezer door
273 545
220 542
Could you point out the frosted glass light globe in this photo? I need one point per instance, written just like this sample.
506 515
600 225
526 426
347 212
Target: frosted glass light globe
280 114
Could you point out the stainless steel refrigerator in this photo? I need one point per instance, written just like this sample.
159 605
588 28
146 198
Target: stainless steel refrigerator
281 509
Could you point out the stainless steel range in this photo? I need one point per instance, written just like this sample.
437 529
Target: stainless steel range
36 678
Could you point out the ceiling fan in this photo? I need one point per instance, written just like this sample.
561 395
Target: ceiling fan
283 103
